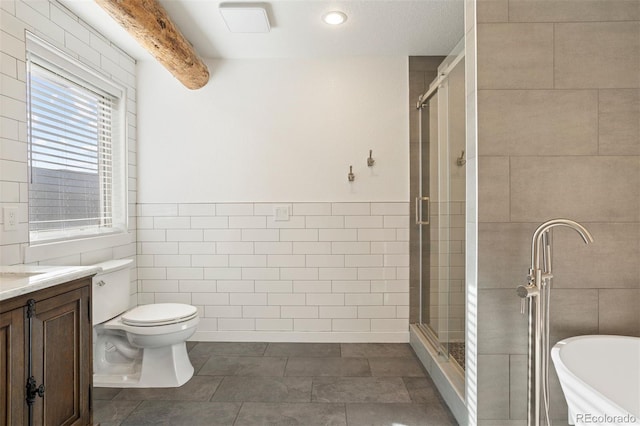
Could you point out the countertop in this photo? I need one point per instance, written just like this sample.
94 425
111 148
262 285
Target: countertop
23 279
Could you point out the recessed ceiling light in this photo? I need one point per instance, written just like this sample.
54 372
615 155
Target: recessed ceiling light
334 17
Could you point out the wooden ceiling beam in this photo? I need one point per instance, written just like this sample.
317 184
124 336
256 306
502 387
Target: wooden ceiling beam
148 22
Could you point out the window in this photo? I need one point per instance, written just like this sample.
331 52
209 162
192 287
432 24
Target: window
77 158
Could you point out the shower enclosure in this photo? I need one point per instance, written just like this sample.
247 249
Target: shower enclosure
440 211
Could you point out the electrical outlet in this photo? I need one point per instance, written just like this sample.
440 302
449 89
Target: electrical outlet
10 215
281 213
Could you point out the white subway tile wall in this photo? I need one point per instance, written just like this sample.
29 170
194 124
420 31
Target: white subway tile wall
332 267
57 25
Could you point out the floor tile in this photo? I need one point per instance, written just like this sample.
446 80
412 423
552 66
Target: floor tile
243 366
397 414
264 389
229 348
190 413
199 388
398 367
112 412
303 349
422 390
359 389
105 393
198 361
343 367
285 384
310 414
376 350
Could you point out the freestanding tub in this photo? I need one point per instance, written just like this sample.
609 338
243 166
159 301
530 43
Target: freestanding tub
600 378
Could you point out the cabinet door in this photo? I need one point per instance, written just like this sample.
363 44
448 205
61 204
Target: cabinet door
62 359
12 381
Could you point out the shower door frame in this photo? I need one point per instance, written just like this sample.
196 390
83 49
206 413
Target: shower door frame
440 86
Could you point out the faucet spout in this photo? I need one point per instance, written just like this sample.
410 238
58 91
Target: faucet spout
537 293
542 229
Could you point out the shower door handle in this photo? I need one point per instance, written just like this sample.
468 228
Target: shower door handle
419 201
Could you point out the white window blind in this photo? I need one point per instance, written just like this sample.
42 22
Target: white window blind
72 136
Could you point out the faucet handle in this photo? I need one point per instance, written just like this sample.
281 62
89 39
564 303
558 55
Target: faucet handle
526 292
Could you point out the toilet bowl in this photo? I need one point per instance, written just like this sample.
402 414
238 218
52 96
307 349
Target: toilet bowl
140 347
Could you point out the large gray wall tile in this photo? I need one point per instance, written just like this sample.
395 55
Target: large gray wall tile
572 313
516 56
611 261
425 63
504 254
538 122
502 329
619 121
618 312
518 367
558 409
493 189
493 387
492 11
572 148
592 189
597 55
573 10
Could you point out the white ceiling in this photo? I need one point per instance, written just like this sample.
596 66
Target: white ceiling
374 27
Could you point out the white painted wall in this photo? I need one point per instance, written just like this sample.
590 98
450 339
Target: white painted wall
278 132
275 130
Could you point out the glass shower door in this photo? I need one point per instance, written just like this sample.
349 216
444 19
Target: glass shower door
441 214
432 216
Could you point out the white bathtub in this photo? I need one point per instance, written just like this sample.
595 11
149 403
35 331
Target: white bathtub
600 378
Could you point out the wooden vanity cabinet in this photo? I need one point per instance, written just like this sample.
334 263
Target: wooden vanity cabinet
61 355
12 373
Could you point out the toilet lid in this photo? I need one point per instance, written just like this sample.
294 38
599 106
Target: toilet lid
159 314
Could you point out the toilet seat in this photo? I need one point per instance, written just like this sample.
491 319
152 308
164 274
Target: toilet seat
159 314
155 319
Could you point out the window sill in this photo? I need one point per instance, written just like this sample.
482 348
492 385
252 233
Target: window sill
45 251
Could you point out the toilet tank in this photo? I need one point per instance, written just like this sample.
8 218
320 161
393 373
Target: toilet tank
110 295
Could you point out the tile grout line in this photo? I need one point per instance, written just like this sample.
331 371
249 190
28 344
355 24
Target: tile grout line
238 413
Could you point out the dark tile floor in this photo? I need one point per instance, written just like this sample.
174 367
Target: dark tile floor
286 384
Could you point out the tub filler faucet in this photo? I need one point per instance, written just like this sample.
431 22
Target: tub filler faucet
537 293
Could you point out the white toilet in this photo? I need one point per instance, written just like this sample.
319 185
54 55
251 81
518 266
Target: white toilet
144 347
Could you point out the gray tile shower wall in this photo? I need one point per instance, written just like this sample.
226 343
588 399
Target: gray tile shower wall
330 270
558 135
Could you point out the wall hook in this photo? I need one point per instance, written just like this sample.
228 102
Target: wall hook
370 160
351 176
461 161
